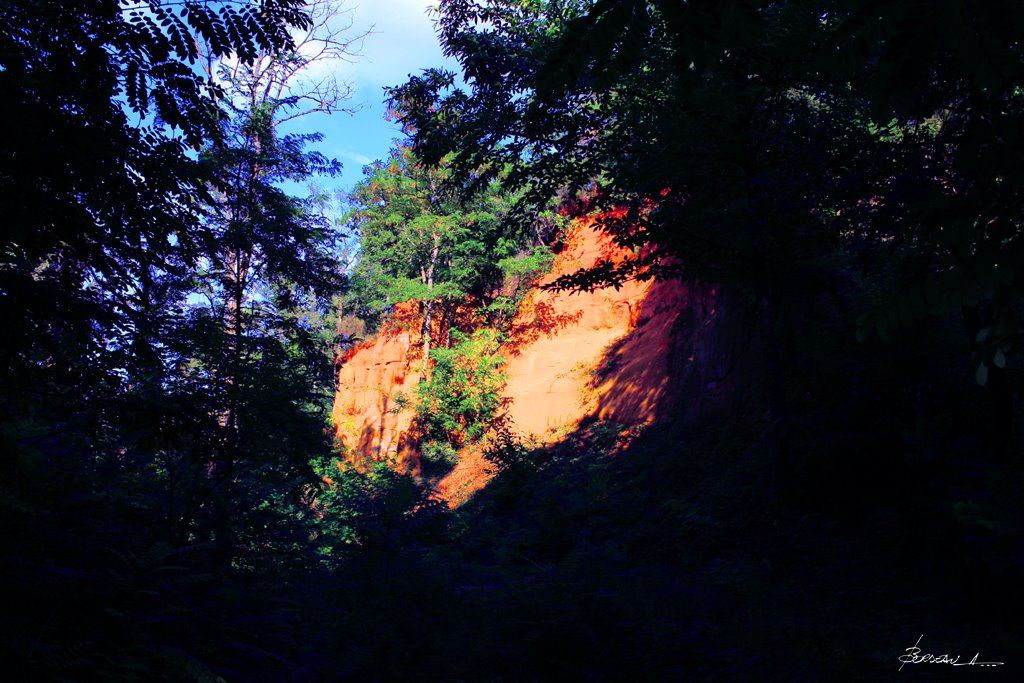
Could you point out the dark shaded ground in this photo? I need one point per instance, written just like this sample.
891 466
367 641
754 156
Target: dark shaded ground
886 507
675 561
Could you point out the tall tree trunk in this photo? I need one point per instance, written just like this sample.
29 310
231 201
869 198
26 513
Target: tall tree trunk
236 265
427 275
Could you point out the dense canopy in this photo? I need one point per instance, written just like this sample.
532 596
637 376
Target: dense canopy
836 185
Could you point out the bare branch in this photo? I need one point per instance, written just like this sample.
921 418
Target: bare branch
300 81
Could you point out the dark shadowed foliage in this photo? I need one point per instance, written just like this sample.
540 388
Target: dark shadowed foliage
836 186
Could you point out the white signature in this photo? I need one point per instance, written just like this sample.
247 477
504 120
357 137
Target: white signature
913 655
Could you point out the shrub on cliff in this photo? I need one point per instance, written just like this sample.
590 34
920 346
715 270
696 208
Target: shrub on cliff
463 394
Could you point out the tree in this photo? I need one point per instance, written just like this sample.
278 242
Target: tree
268 270
783 150
421 240
266 239
690 106
116 225
101 197
463 395
109 403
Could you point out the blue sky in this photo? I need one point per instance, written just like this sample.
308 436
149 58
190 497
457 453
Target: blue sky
403 42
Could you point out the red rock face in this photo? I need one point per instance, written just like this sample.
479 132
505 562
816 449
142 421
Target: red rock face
620 355
561 341
366 413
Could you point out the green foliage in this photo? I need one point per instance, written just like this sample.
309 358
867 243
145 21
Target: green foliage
520 274
439 452
356 510
463 393
155 448
507 450
421 240
525 268
761 145
170 505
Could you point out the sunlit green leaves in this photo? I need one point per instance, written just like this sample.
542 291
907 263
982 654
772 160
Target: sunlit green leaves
463 394
421 239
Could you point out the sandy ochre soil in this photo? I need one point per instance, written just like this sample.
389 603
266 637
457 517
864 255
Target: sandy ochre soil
604 353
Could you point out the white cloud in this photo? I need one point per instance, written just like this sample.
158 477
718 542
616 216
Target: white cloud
403 42
352 155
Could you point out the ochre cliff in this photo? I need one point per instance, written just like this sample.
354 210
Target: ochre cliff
622 355
374 377
558 364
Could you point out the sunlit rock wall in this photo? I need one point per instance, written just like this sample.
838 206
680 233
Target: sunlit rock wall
373 377
645 353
